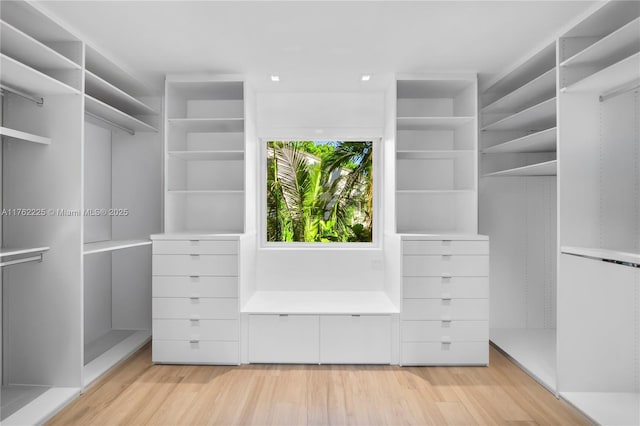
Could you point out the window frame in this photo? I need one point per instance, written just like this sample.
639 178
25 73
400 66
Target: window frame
376 234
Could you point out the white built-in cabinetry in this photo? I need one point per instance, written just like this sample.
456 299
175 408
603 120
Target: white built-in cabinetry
64 318
599 208
445 300
121 203
196 262
575 329
204 154
436 154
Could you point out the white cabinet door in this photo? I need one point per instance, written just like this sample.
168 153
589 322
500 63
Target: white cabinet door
195 352
195 286
284 339
195 265
443 353
355 339
194 308
195 247
445 247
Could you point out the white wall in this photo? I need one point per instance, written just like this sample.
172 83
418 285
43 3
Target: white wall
320 116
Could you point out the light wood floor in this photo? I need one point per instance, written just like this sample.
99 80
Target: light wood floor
138 392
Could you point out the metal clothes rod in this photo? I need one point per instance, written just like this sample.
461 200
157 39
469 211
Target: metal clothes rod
37 258
37 99
634 85
111 123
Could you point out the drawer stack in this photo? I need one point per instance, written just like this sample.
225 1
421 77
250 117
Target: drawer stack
445 301
195 301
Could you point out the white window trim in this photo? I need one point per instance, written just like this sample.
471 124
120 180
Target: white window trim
378 222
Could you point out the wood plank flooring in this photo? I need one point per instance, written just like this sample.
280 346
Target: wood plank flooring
138 392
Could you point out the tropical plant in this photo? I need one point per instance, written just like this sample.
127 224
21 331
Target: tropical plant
319 198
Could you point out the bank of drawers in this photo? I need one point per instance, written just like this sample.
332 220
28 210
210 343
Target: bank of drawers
195 302
445 302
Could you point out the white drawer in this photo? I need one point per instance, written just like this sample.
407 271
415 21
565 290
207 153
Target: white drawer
284 339
455 353
184 329
196 308
443 309
438 287
445 266
203 352
188 265
445 247
195 286
445 331
195 247
348 339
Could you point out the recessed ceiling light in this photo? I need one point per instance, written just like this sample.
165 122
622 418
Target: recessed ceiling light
365 77
275 77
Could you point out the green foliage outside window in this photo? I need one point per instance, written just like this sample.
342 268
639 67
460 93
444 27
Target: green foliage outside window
319 191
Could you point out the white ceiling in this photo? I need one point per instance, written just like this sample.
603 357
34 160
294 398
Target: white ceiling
316 44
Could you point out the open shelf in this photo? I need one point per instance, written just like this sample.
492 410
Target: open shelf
534 349
548 168
543 141
209 124
607 408
207 155
603 254
426 154
105 246
23 136
611 77
109 350
625 39
539 116
29 80
30 51
103 67
117 98
320 302
432 123
33 405
540 87
434 191
111 114
6 252
206 191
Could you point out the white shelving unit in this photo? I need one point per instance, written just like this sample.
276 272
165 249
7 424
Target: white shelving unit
121 142
41 110
599 196
517 211
436 154
205 155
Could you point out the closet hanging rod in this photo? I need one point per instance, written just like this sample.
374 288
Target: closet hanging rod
621 90
37 258
39 100
111 123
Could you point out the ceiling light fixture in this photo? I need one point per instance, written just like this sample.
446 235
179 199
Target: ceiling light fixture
365 77
275 77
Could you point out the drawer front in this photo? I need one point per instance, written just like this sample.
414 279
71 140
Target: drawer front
445 331
195 286
445 266
442 309
435 353
445 247
203 352
438 287
195 247
191 265
184 329
284 339
202 308
347 339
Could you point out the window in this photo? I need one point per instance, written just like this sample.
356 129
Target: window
319 192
